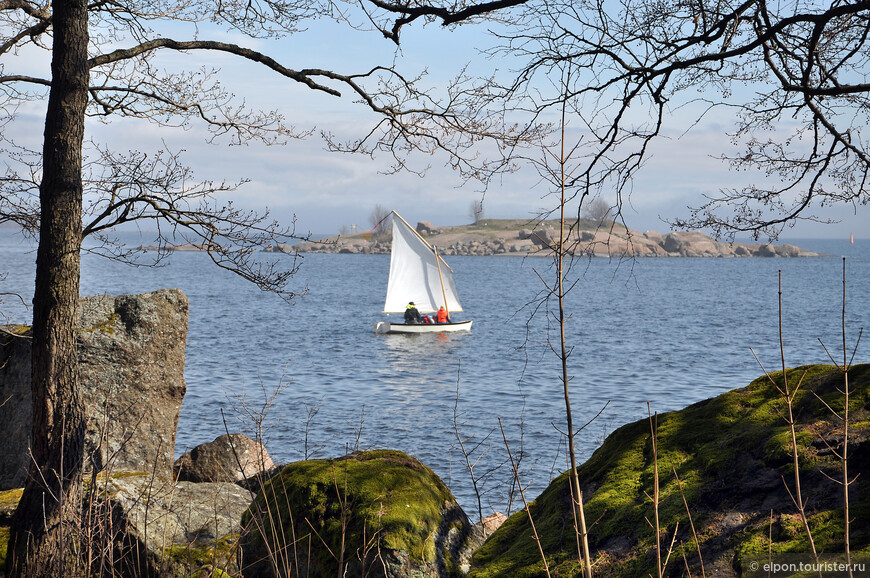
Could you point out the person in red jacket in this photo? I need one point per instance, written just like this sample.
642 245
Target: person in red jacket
442 315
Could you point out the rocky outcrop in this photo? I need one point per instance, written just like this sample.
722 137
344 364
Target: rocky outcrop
131 367
609 242
229 458
732 454
156 527
392 515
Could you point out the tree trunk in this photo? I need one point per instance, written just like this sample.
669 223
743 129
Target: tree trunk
43 534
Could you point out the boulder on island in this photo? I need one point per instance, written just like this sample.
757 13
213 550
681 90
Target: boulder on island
388 513
131 372
426 228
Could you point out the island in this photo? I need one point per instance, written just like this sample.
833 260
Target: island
528 238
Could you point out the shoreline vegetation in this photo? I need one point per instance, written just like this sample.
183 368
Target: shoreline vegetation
520 237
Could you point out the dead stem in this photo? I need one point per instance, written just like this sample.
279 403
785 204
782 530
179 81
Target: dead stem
691 523
525 503
788 396
653 426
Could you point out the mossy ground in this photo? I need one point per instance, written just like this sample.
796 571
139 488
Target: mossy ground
731 454
390 501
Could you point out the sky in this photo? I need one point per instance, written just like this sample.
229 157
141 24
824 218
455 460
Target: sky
328 191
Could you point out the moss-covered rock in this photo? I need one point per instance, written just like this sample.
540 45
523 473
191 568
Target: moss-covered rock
379 513
732 454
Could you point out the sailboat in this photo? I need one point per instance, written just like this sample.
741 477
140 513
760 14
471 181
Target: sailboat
419 275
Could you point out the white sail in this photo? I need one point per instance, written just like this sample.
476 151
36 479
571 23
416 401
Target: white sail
414 274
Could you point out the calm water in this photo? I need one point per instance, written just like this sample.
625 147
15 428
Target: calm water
665 331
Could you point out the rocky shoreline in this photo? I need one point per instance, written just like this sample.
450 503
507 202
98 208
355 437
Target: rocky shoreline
501 237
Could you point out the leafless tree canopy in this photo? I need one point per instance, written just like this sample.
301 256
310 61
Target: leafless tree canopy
791 76
475 211
597 210
379 222
797 68
128 79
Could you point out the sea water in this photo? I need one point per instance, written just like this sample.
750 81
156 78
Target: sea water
653 333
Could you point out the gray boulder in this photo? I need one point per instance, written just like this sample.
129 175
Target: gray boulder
426 228
16 416
672 243
542 237
229 458
787 251
654 236
690 244
165 528
131 364
280 248
766 251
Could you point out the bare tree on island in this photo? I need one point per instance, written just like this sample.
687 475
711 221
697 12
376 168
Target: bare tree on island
597 211
476 211
379 222
120 78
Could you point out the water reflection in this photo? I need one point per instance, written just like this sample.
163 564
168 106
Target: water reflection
422 353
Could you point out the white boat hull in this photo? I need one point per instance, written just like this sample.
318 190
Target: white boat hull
387 327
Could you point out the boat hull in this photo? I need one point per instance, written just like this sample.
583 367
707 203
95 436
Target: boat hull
387 327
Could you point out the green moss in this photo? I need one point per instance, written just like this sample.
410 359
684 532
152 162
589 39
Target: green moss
16 329
4 545
218 554
719 448
9 498
106 326
383 498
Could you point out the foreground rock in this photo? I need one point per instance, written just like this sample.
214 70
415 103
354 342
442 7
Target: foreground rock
173 528
398 519
131 363
229 458
732 454
155 527
515 237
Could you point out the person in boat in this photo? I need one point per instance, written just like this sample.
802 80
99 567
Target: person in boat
411 314
442 316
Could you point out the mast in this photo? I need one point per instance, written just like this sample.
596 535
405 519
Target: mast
440 278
